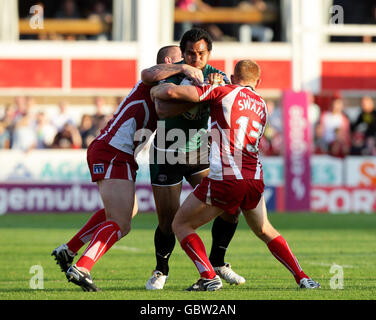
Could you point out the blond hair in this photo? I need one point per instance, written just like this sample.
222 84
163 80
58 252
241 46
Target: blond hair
247 71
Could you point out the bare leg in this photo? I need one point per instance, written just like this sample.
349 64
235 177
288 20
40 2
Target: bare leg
118 199
192 214
167 200
223 228
258 221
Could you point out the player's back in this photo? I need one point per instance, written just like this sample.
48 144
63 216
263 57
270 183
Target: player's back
135 112
238 118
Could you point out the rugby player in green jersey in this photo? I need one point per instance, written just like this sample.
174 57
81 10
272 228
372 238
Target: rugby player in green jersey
180 150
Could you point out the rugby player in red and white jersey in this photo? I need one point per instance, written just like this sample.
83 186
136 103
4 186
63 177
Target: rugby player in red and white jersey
238 118
112 166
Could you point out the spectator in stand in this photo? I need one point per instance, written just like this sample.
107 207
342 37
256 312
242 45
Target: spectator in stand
334 119
339 147
366 121
118 100
357 143
370 147
62 117
87 130
8 120
102 122
68 138
4 136
271 144
314 112
24 136
319 144
193 5
274 115
20 108
68 10
101 13
45 131
99 114
259 32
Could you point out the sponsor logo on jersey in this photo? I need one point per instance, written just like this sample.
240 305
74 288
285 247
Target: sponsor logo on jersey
98 168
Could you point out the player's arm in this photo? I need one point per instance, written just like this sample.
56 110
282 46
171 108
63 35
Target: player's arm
172 108
160 72
170 91
172 100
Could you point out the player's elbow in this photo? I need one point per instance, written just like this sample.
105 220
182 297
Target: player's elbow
147 76
162 111
169 93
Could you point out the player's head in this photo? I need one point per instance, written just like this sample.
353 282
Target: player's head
246 72
169 54
196 45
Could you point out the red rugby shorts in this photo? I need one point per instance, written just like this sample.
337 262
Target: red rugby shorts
229 195
107 162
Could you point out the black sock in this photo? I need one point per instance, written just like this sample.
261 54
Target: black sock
164 245
222 233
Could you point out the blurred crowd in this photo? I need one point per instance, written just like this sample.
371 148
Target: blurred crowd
102 10
21 128
261 32
333 131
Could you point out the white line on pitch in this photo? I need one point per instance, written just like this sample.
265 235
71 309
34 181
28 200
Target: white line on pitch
330 264
125 248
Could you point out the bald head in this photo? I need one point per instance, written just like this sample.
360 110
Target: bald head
246 72
169 54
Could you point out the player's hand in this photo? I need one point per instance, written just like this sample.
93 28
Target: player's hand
193 74
215 78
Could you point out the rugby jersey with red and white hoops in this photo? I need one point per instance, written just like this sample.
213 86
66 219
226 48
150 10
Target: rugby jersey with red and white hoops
238 118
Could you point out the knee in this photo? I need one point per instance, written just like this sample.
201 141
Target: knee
125 229
165 220
124 225
175 226
231 218
166 226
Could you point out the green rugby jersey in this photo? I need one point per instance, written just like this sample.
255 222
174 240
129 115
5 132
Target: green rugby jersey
193 123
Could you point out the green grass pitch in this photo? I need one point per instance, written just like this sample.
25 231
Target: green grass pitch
318 240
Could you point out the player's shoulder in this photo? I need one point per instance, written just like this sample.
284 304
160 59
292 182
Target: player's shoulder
255 94
214 92
210 69
141 86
